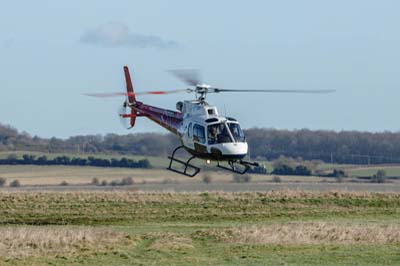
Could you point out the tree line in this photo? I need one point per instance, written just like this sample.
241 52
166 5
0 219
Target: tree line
352 147
28 159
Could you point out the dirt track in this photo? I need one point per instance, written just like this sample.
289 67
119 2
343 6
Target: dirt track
228 187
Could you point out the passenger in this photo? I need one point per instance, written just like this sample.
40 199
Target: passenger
212 134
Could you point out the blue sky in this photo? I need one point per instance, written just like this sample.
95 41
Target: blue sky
51 52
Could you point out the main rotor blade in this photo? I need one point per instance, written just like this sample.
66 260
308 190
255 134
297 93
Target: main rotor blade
116 94
189 76
275 91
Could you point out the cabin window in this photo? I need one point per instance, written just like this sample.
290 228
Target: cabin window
210 111
199 134
218 133
189 130
237 132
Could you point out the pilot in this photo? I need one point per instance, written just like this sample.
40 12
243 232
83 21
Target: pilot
224 136
234 130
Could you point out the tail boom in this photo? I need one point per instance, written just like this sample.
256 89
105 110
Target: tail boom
168 119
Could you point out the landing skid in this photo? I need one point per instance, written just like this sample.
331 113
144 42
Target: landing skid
189 170
239 167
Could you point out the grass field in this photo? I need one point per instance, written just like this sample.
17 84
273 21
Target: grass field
39 178
77 175
160 162
391 171
54 175
133 228
285 227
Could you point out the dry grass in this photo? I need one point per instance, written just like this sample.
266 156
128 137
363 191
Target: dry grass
190 197
170 241
16 242
311 233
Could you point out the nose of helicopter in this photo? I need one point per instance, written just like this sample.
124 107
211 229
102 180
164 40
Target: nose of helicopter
233 148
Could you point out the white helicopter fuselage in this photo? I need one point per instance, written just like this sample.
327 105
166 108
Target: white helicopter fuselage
201 130
206 134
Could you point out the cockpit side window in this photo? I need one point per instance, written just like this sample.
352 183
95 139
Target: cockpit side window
218 133
199 134
237 132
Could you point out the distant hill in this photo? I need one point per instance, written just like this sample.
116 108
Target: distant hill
339 147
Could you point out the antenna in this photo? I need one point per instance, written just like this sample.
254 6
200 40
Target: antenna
225 109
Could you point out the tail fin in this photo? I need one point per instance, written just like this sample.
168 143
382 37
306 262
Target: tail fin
131 95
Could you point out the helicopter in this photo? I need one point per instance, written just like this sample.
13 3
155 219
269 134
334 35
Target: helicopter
202 131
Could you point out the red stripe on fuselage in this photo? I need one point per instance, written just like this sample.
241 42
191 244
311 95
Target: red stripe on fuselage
168 119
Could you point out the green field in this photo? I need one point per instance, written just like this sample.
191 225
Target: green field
159 162
33 175
391 171
155 161
133 228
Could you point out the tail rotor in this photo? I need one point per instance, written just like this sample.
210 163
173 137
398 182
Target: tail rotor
123 112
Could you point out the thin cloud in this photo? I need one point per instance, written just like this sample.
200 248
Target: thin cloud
117 34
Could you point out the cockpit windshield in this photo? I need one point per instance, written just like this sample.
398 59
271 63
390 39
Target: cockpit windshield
237 132
218 133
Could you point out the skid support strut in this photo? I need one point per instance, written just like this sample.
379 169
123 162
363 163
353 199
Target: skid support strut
238 167
189 169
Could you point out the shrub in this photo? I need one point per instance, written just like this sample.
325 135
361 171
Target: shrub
284 161
15 183
339 178
379 177
246 178
167 181
238 178
285 169
338 173
2 181
207 178
262 170
64 183
104 183
127 181
276 179
145 163
95 181
302 170
114 183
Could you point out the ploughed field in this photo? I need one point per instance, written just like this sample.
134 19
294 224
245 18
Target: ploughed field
210 228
